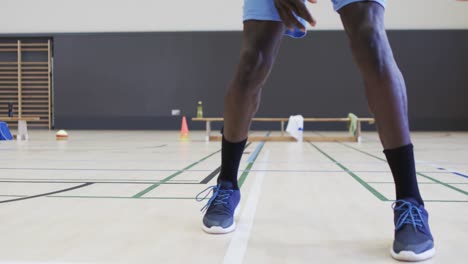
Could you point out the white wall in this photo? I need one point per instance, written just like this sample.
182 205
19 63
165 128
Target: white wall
48 16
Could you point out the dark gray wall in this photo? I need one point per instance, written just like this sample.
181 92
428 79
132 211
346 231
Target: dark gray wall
133 80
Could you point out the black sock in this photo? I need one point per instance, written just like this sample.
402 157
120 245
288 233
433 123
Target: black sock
231 155
401 161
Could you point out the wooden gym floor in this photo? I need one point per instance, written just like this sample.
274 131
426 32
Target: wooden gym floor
128 197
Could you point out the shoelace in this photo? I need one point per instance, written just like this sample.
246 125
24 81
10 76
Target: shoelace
411 214
219 197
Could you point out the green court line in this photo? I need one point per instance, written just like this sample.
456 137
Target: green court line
443 183
251 162
121 197
182 198
357 178
154 186
377 182
418 173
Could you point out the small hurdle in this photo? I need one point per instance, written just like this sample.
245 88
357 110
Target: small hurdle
354 125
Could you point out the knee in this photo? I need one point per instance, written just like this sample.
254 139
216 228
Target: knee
252 71
370 47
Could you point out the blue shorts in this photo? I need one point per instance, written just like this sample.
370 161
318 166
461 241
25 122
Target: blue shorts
266 10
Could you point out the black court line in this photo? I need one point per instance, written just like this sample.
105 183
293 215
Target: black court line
83 180
217 170
46 194
78 169
99 182
211 176
40 149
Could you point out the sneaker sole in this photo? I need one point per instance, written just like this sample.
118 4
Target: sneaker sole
217 230
411 256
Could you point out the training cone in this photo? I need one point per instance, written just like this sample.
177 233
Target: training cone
61 135
184 131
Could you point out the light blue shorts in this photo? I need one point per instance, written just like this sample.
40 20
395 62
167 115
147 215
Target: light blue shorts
266 10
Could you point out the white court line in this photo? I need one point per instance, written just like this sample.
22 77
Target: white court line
238 246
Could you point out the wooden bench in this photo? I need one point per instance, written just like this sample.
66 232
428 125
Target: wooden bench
22 125
356 137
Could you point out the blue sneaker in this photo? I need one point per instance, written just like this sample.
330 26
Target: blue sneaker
413 239
220 209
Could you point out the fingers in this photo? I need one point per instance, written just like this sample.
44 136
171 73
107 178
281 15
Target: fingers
286 15
301 10
289 20
287 7
312 1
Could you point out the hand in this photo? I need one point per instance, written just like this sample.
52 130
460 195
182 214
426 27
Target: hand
287 7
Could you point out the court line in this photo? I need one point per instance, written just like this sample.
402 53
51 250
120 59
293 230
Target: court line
123 197
154 186
250 162
447 170
387 171
90 180
181 198
418 173
239 242
101 161
210 176
7 161
441 201
98 149
46 194
106 197
76 169
357 178
217 170
454 172
102 182
192 198
279 170
374 182
445 201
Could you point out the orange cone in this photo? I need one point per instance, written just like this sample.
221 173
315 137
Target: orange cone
184 131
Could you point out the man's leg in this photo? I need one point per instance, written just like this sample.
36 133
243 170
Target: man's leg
261 42
386 95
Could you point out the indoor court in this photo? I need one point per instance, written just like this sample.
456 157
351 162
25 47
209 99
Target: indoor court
116 123
134 200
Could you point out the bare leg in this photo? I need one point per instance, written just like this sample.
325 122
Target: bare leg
259 49
384 83
386 94
385 90
260 46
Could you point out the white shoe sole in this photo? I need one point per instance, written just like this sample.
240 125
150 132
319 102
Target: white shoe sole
219 230
411 256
